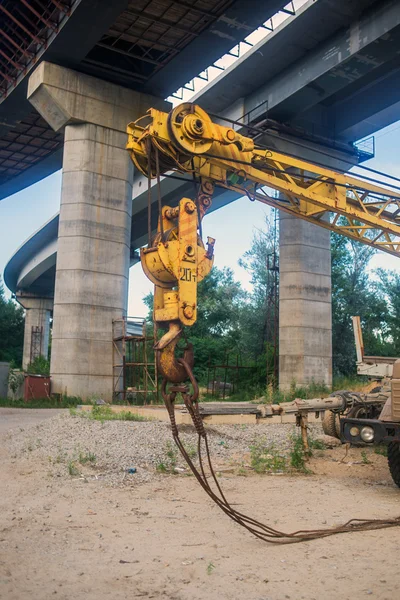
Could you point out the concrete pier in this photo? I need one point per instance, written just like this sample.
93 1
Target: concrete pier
305 305
93 253
37 327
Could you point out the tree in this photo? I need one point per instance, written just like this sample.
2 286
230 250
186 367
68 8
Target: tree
388 286
11 329
354 293
216 332
258 313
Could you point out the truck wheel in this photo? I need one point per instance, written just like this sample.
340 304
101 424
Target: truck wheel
331 424
394 461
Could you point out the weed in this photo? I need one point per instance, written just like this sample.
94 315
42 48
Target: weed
241 472
87 457
364 458
316 444
63 402
191 450
72 470
381 449
168 464
210 568
298 455
105 413
265 458
39 366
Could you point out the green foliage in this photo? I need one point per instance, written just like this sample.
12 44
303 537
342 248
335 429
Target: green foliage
64 402
316 444
266 458
257 313
298 456
72 469
388 286
103 413
86 457
169 462
314 390
364 458
11 329
210 568
39 366
381 450
15 380
354 293
217 331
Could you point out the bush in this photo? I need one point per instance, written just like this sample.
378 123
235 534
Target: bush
39 366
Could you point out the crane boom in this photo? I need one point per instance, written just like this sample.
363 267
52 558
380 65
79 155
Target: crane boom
186 140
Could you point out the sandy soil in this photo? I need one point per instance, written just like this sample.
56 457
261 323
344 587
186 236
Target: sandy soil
78 538
11 418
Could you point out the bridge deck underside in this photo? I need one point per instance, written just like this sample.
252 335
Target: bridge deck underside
128 42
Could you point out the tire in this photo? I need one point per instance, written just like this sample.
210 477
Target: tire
331 424
394 461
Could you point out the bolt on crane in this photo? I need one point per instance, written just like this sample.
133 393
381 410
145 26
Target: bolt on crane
187 141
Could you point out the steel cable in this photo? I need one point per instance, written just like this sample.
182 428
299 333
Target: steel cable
259 529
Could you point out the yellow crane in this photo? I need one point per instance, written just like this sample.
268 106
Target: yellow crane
187 141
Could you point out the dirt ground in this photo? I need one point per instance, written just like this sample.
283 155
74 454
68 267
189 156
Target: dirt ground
78 538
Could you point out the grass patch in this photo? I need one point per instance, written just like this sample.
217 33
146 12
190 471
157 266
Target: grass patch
86 457
356 383
314 390
381 449
63 402
364 458
266 458
72 469
169 461
103 413
299 456
316 444
210 568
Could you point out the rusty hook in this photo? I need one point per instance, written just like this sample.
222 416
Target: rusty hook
168 364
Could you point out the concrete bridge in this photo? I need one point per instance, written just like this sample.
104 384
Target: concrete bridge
314 86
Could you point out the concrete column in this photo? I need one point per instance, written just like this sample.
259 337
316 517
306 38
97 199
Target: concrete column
37 315
95 222
305 305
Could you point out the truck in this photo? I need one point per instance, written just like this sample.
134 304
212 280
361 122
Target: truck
385 429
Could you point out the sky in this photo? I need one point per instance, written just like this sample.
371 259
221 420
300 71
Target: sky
233 226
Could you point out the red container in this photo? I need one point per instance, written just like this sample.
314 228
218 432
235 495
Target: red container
36 386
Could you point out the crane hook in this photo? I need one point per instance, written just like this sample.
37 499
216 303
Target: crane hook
168 364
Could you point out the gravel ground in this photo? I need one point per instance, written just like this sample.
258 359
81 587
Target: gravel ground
120 445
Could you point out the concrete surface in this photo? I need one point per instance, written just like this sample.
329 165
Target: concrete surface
305 303
4 367
37 314
11 418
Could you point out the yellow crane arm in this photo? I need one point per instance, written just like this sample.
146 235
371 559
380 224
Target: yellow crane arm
186 140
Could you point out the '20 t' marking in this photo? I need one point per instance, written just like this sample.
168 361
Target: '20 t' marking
187 274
